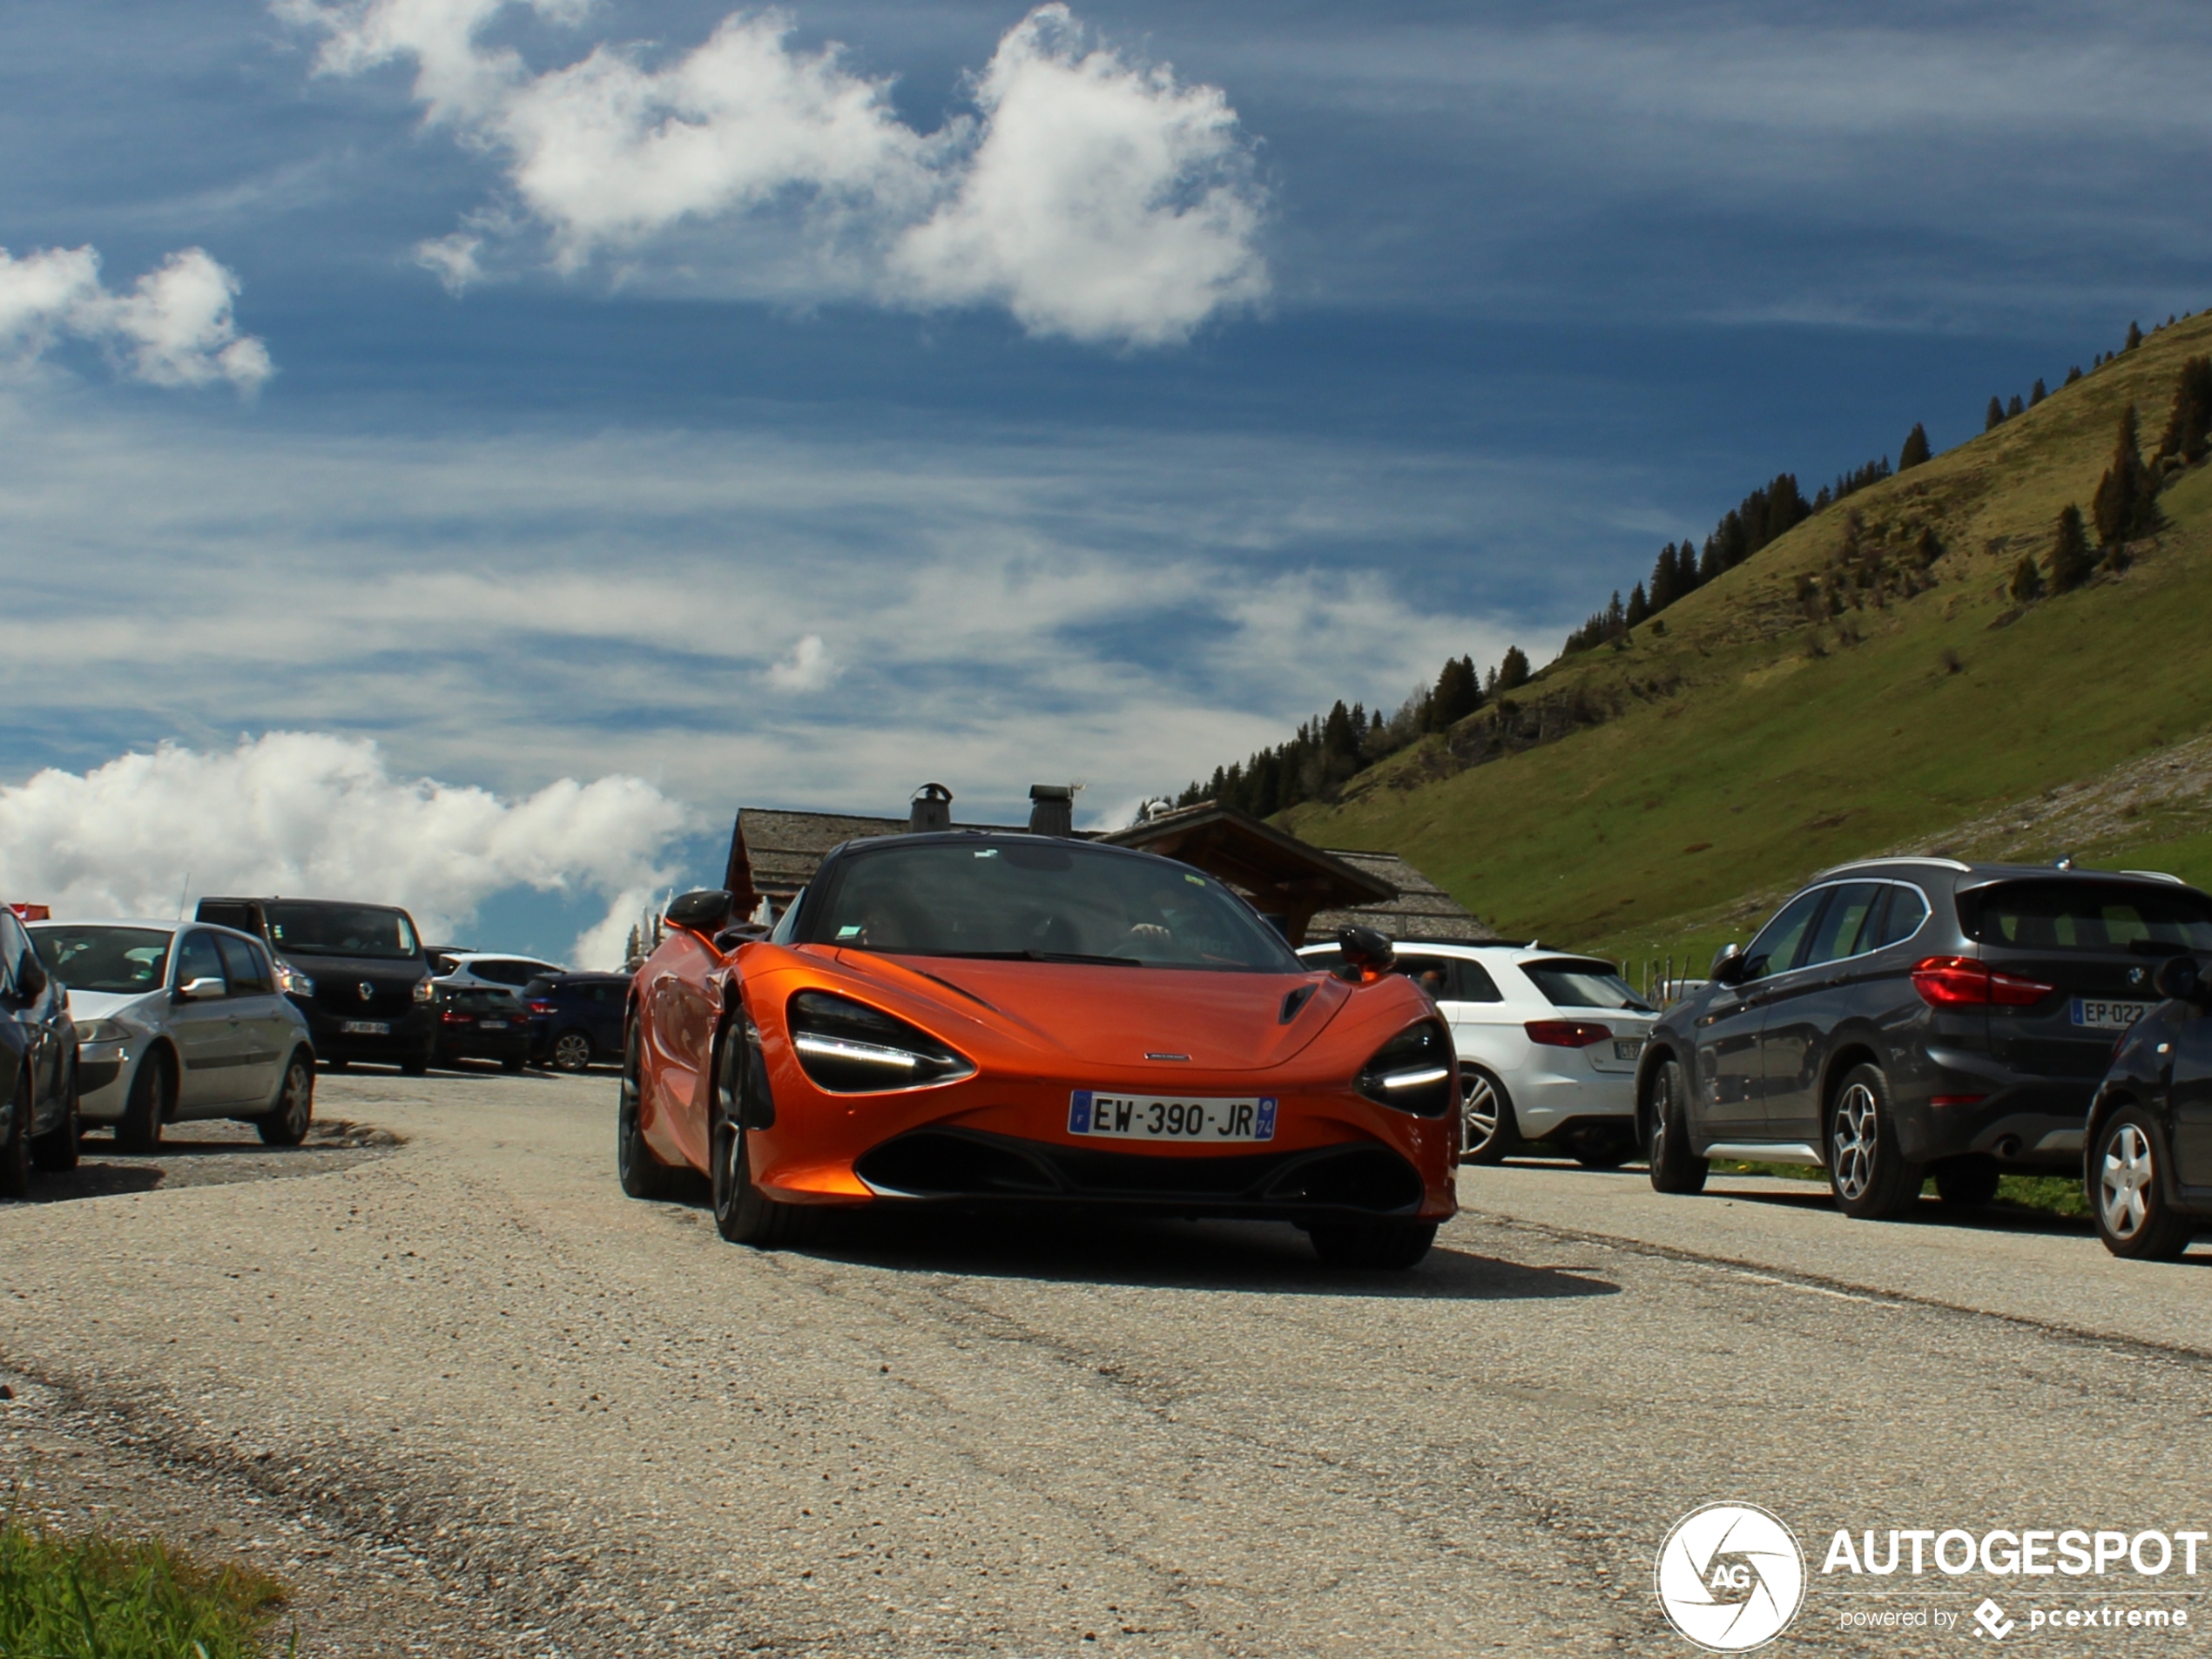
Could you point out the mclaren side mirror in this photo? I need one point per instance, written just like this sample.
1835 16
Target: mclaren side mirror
2180 980
743 932
206 989
706 911
1366 952
1728 965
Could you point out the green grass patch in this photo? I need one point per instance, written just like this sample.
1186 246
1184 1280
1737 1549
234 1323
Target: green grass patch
2057 1195
98 1597
2053 1194
1787 1171
1762 737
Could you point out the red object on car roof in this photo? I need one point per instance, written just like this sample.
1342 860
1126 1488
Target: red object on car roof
33 912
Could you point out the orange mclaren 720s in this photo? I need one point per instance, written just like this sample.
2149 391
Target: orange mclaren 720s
1004 1020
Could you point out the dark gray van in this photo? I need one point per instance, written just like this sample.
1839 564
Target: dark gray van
1900 1018
359 972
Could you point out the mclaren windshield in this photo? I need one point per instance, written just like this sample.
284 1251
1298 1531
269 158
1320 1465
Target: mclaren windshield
1041 900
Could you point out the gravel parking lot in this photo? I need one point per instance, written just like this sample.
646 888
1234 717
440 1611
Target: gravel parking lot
472 1400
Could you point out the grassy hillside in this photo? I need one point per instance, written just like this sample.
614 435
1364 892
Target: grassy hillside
1842 694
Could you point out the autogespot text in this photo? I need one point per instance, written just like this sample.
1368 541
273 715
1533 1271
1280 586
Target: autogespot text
2073 1552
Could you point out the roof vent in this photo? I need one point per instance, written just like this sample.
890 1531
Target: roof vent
932 810
1052 809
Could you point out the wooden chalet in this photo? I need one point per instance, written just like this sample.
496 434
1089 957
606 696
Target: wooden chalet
1301 887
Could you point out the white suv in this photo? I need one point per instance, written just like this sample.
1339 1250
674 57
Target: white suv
1548 1044
474 970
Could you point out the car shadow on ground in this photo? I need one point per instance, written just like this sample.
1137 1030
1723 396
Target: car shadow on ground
1266 1257
207 1153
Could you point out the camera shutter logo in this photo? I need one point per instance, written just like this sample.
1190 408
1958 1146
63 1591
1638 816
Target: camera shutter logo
1730 1577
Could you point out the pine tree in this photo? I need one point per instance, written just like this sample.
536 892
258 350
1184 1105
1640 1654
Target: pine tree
2135 336
1513 670
2015 407
1639 607
2125 506
2188 427
1995 417
1915 450
2074 374
2027 581
1457 693
2071 560
2037 393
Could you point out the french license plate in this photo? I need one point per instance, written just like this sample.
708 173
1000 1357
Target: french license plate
1628 1047
492 1024
366 1028
2107 1017
1160 1117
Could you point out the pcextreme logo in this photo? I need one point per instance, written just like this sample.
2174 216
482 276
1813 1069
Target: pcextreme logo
1730 1577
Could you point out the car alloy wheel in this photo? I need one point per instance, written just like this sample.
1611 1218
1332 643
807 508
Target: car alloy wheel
1487 1129
1674 1167
744 1214
2133 1216
1868 1172
2123 1183
642 1174
287 1125
1857 1137
15 1150
571 1051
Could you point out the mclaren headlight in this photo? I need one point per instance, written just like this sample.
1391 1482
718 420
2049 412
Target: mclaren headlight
847 1047
1416 1071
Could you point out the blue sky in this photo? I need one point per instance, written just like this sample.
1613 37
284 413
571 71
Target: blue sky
1441 319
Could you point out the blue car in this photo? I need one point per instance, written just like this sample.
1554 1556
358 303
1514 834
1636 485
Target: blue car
576 1019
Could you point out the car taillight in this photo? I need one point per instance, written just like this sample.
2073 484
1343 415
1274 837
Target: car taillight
1567 1034
455 1016
1963 982
541 1008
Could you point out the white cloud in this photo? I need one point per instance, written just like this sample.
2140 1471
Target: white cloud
808 668
173 327
1002 607
452 259
1093 195
1103 201
319 816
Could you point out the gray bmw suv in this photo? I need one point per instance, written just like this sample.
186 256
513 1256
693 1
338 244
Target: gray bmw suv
1901 1018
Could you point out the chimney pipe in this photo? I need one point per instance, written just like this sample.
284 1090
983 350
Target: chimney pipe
1052 809
932 810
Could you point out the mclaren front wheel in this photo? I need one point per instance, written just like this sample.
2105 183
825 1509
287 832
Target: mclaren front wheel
744 1214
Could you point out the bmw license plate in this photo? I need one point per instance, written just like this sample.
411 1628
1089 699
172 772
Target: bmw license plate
366 1028
1160 1117
2107 1017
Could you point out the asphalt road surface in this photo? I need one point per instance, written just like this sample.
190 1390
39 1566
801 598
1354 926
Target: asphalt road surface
607 1431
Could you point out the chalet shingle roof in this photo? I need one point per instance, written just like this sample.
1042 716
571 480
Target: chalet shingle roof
1421 910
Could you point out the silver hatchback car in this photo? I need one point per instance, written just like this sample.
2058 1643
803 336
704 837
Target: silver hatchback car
179 1021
